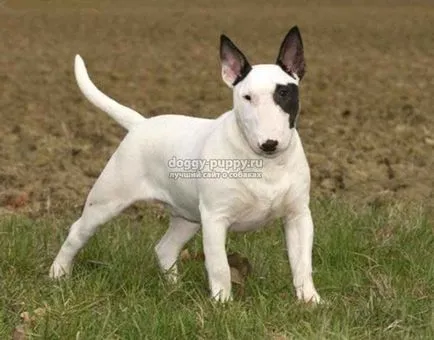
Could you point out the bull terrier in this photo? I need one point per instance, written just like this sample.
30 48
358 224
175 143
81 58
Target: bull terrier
259 134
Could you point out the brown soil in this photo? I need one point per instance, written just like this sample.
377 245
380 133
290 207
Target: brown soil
367 99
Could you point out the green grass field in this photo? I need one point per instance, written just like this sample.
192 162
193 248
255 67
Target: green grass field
374 268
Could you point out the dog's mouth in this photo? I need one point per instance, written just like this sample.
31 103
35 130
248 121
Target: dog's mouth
266 154
269 153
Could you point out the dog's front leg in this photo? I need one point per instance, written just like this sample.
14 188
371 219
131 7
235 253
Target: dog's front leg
299 240
216 262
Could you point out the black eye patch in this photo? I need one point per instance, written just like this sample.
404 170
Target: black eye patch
286 96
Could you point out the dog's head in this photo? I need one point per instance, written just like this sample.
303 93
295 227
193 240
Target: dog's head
266 97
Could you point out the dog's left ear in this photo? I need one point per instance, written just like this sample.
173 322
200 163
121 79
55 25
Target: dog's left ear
291 55
235 66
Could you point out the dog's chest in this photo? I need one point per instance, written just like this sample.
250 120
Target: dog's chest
261 202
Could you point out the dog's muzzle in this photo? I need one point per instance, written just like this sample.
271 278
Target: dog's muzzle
269 146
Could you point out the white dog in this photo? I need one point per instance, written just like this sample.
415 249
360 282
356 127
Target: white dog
259 130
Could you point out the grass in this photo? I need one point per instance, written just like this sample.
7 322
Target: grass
374 268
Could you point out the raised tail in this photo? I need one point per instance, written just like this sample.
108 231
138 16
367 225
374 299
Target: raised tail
125 116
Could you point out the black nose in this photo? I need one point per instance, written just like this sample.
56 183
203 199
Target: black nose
269 146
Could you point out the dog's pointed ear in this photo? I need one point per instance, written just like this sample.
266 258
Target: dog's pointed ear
291 55
235 66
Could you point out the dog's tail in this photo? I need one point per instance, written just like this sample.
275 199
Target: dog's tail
125 116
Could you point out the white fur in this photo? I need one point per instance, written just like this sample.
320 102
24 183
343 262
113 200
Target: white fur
138 170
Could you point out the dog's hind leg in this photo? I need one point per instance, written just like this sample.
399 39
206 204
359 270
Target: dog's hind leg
115 190
168 248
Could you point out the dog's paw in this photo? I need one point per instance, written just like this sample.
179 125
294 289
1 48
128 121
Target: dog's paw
309 296
314 299
222 296
57 270
171 276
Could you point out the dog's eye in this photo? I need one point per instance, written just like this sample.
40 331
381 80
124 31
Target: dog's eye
247 97
283 92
